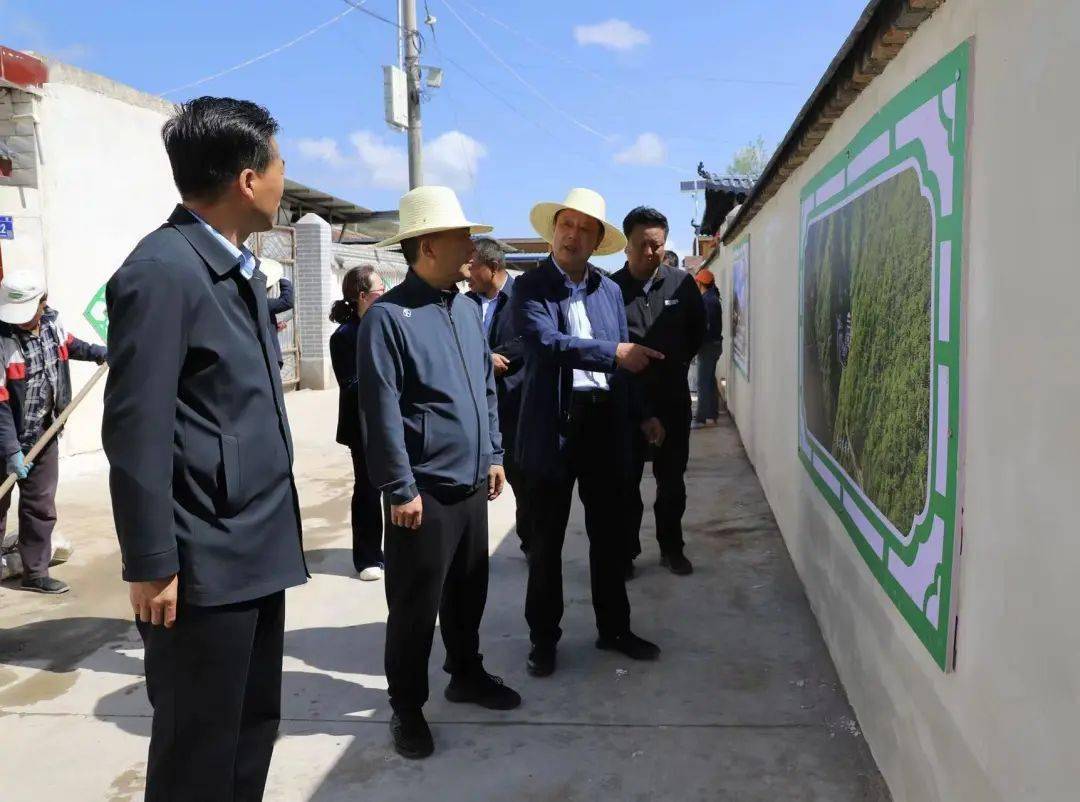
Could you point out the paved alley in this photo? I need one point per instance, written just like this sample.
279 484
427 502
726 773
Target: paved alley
744 704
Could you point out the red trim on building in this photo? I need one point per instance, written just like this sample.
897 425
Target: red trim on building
22 71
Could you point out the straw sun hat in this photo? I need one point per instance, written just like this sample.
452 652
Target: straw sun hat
428 210
588 202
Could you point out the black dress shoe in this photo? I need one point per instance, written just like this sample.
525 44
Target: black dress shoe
412 736
541 661
677 563
45 584
484 689
631 645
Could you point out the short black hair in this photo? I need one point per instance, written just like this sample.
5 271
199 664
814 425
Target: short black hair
211 140
644 216
490 253
410 249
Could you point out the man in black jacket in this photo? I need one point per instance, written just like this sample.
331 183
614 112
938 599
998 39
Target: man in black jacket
492 288
201 456
431 431
664 311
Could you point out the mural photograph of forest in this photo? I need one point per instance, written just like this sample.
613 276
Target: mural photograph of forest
867 342
879 343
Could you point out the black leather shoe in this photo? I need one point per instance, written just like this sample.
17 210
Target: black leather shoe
412 736
541 661
677 563
631 645
45 584
484 689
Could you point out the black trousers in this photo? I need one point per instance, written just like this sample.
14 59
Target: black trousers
440 569
214 681
592 441
669 468
367 524
37 512
516 478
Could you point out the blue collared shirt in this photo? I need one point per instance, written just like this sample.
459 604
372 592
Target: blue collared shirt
245 259
577 321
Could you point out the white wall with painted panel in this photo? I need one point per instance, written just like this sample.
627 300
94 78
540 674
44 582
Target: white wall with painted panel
1003 725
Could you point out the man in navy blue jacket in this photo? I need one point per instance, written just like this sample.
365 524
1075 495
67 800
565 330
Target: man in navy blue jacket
431 430
200 454
492 289
577 413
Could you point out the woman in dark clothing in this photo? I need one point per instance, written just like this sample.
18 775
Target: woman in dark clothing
360 288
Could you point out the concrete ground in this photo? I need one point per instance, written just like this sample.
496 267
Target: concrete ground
744 704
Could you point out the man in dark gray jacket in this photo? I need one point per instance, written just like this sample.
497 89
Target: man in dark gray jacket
429 412
201 460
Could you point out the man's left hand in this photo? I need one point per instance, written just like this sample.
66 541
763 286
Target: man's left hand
496 480
654 432
501 363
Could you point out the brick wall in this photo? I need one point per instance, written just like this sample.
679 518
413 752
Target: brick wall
19 138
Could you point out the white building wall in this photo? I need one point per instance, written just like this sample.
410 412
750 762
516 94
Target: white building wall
1004 724
103 183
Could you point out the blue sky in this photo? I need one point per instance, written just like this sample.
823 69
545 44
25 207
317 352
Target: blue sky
623 97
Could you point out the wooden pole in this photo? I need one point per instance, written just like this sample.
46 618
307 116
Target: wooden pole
53 430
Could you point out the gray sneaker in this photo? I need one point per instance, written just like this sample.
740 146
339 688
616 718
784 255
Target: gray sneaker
45 584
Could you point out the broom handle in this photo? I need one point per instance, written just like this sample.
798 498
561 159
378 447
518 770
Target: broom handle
52 431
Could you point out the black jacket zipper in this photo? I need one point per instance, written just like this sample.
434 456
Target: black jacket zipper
468 381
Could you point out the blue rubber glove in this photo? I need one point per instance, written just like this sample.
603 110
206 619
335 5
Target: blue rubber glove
18 465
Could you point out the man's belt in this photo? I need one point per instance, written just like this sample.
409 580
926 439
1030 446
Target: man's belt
591 398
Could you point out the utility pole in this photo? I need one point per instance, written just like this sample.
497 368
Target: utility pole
412 73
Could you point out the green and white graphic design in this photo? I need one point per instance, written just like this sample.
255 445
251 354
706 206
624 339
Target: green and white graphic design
97 315
879 342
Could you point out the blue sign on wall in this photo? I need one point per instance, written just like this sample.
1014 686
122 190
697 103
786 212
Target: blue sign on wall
7 227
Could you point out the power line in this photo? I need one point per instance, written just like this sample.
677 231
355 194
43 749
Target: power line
390 22
526 84
453 107
268 53
529 40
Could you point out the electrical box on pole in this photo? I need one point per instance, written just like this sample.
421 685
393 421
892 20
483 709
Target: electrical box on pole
396 97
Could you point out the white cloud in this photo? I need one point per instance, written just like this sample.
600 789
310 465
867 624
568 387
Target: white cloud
452 159
384 166
324 150
648 150
615 34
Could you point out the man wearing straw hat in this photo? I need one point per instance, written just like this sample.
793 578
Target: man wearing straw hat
429 413
577 413
35 387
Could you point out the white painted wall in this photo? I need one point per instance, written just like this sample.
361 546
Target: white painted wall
1004 725
104 183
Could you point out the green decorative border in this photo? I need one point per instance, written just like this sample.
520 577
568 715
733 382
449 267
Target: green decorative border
743 365
871 157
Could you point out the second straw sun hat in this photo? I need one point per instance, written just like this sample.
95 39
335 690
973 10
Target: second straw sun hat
588 202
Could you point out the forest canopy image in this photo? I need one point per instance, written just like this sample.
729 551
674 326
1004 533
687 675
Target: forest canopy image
866 342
